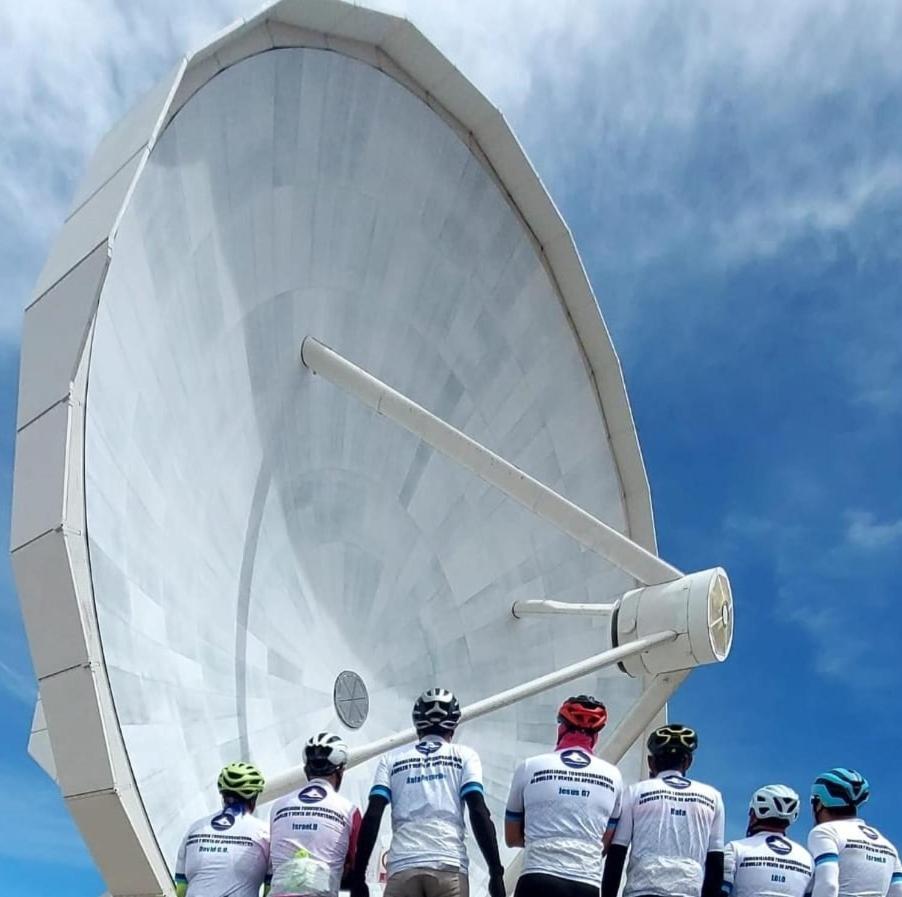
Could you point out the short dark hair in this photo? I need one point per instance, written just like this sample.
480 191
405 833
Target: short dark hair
671 758
758 824
842 812
232 799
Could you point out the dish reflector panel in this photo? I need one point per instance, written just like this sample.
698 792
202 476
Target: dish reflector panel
250 554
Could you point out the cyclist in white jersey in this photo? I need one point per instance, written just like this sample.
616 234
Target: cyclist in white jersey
766 863
851 858
672 825
313 832
227 853
563 807
427 785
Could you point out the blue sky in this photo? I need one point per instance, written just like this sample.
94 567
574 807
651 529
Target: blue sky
732 173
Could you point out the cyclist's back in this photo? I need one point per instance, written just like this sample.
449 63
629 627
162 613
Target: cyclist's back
427 785
852 859
562 807
227 852
314 831
868 863
672 825
767 863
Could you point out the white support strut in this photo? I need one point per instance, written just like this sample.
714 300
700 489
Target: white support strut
578 523
540 607
278 785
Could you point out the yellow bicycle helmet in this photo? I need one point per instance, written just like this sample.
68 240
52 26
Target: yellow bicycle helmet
243 779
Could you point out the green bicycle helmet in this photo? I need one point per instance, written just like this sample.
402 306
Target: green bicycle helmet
243 779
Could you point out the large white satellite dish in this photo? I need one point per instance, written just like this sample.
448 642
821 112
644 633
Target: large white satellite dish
224 541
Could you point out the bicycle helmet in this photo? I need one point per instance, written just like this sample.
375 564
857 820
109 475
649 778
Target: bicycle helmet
436 711
672 740
775 802
841 787
325 754
243 779
583 713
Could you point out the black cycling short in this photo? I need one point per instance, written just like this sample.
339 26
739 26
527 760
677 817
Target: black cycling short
534 884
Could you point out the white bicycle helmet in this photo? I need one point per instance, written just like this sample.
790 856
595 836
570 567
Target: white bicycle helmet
324 754
775 802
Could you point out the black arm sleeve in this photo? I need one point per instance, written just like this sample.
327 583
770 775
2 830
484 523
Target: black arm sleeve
613 870
713 874
484 831
369 831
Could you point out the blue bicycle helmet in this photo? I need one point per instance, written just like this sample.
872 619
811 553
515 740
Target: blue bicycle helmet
841 787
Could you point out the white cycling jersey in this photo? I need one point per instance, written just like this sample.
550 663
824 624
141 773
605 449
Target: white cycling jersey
224 854
566 799
425 784
316 819
868 864
767 864
671 824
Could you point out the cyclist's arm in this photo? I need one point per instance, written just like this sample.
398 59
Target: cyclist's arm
729 868
618 845
514 814
483 830
181 880
614 819
825 850
895 885
267 847
369 832
713 880
353 839
614 860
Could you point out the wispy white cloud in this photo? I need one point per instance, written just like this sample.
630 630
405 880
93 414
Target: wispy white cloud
18 684
827 583
865 532
612 97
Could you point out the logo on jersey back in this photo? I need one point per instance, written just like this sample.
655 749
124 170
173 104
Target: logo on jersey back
778 845
677 782
312 794
575 759
428 747
222 822
871 833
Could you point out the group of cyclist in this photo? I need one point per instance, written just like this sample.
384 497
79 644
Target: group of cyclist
568 808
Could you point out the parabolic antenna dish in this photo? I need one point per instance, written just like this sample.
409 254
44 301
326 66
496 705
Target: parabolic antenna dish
222 547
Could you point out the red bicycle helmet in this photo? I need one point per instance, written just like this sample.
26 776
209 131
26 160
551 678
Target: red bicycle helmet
583 713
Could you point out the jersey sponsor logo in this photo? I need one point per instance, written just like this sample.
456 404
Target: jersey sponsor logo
866 830
312 794
222 822
575 759
428 747
677 782
778 845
